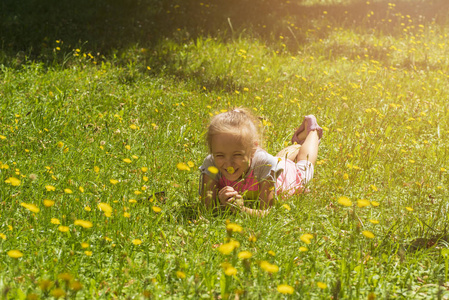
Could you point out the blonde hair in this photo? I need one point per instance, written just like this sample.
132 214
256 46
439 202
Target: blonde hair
238 122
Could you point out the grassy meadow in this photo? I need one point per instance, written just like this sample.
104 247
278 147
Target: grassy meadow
100 146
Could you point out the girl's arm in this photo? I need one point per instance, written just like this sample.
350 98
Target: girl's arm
208 191
266 200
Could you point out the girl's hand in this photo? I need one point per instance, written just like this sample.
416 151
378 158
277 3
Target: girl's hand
228 195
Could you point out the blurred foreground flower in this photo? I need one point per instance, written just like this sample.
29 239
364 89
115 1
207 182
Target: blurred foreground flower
14 253
183 167
13 181
213 170
306 238
227 248
136 242
83 223
232 227
106 208
345 201
368 234
180 274
50 188
245 255
321 285
270 268
30 207
285 289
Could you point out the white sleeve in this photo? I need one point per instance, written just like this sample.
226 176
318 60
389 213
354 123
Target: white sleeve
209 162
266 165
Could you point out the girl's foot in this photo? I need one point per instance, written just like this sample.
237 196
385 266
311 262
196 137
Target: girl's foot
309 124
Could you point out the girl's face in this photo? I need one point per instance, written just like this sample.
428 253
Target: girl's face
230 156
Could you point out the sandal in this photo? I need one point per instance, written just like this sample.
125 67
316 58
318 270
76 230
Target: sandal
311 126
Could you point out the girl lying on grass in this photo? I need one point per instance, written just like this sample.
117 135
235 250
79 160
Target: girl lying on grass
237 171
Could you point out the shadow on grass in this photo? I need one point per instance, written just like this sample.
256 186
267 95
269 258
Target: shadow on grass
32 27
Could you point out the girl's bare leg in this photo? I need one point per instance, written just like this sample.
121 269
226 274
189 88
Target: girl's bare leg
308 151
289 152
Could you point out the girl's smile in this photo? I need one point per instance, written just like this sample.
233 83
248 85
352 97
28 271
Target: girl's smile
230 156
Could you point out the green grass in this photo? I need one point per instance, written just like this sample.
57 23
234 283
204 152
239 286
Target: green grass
70 116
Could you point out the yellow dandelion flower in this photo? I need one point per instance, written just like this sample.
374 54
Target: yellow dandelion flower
127 160
442 170
374 221
375 203
133 126
30 207
345 201
60 144
14 253
87 208
83 223
88 253
270 268
303 249
135 156
2 137
13 181
230 271
321 285
286 206
145 178
63 228
232 227
68 191
76 286
244 255
65 276
55 221
81 189
113 181
306 238
190 164
126 214
132 201
409 208
3 236
362 203
58 293
96 169
84 245
183 167
106 208
345 176
271 252
66 149
144 169
136 242
50 188
368 234
156 209
230 170
285 289
212 170
128 147
226 248
45 284
180 274
252 239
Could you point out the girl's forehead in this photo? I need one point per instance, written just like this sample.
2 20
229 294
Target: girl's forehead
227 142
